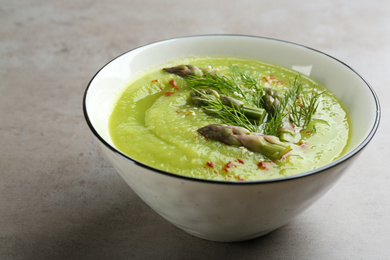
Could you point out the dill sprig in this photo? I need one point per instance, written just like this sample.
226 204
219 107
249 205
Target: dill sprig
249 82
221 83
302 113
274 121
301 107
240 84
228 115
295 106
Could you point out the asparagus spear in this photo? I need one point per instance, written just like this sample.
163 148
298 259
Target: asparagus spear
204 97
189 70
223 133
267 145
271 100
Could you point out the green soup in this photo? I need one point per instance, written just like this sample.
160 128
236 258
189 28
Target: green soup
155 122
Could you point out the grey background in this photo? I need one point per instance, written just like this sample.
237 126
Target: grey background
61 199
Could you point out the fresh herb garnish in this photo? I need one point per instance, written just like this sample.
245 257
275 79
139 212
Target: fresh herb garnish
274 122
227 109
293 106
230 115
301 107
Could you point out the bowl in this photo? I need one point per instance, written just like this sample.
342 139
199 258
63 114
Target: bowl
227 211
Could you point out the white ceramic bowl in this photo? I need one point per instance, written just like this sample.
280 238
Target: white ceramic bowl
222 210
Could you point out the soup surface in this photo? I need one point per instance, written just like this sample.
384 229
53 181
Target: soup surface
155 121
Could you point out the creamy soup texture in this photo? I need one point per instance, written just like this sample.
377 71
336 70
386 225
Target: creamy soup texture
156 122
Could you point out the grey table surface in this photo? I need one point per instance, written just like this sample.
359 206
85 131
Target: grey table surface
61 199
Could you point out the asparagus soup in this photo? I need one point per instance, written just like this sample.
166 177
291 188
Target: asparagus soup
226 118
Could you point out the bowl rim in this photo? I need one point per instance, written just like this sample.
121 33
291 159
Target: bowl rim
338 161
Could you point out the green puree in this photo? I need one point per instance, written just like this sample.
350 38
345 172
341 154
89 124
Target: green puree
155 122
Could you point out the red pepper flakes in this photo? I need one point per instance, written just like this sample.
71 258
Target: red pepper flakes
227 166
240 161
263 165
167 94
240 178
275 79
172 82
303 144
210 164
271 79
158 82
